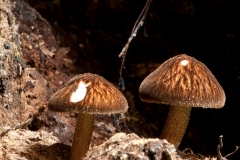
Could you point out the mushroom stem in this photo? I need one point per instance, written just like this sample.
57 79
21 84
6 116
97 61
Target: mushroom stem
176 124
82 136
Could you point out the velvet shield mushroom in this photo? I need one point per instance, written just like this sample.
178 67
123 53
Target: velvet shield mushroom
87 94
181 82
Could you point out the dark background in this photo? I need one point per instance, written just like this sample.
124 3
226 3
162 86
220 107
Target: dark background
205 29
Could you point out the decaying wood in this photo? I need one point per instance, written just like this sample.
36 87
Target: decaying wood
12 69
30 66
29 145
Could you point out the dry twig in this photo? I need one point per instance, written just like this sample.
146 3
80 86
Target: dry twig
139 23
219 156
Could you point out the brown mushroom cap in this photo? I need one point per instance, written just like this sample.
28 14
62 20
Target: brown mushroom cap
183 81
98 96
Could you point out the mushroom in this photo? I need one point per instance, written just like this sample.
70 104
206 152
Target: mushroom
181 82
87 94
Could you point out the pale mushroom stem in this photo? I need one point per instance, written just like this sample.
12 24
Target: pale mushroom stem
176 124
82 136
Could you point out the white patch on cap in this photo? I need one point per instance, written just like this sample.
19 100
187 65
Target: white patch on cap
80 93
184 62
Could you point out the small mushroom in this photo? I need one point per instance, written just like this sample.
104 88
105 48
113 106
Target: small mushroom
181 82
87 94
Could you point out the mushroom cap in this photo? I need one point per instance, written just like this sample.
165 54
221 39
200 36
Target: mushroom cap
183 81
88 93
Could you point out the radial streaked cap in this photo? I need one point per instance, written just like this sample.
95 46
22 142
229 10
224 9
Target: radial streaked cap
88 93
183 81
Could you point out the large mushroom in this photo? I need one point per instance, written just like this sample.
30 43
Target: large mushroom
181 82
87 94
